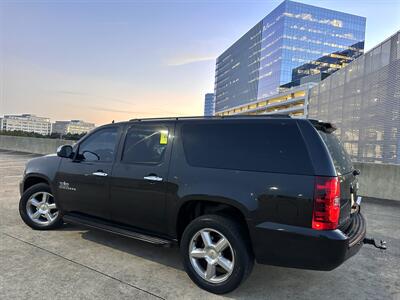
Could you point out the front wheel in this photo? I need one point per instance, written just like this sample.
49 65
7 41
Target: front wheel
38 209
216 253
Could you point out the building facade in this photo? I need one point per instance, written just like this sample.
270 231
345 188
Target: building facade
363 101
209 104
293 101
27 123
72 127
291 43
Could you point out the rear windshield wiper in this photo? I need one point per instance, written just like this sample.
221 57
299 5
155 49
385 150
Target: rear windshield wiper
323 126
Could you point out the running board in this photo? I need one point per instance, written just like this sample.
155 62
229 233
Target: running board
124 231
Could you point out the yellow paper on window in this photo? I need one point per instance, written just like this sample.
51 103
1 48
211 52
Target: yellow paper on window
163 138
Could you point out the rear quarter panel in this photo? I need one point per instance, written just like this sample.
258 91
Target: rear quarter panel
260 196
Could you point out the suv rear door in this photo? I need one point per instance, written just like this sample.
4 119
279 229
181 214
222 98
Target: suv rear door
140 174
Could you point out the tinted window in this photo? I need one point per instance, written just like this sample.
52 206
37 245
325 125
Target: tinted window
270 146
99 146
145 144
340 158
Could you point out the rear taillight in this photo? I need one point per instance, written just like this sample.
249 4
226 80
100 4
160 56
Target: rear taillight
326 203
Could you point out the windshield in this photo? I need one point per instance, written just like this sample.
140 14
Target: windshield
340 158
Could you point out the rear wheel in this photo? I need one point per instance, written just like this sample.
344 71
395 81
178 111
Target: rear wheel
38 209
216 253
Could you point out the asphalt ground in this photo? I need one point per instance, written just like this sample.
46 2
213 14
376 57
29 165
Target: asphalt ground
79 263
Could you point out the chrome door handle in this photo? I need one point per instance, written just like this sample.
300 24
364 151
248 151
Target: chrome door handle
101 174
153 178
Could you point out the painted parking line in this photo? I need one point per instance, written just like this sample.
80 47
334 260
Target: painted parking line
3 159
10 183
12 166
13 161
15 154
12 176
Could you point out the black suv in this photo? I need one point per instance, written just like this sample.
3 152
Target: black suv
226 190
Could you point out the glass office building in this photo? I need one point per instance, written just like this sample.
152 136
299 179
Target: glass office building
294 41
209 104
363 101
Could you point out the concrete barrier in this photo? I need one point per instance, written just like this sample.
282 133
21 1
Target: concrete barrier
376 180
31 145
379 180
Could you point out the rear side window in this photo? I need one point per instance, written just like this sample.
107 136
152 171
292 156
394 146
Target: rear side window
341 159
267 146
145 144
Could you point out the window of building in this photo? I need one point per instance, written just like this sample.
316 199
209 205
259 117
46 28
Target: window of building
145 144
267 146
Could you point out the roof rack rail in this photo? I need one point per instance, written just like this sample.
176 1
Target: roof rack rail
212 117
258 116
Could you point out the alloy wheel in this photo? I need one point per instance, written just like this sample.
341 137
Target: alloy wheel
41 208
211 255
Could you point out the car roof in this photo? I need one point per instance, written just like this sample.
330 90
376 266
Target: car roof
207 118
216 118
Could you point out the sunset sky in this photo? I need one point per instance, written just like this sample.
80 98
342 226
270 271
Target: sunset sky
114 60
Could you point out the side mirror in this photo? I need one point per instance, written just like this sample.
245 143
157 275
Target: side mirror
65 151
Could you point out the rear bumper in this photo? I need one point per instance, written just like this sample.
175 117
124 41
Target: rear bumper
305 248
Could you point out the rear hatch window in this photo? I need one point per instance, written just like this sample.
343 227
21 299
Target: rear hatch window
341 159
344 168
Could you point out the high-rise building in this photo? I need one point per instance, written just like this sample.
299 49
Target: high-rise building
296 43
72 127
363 101
292 101
27 123
209 104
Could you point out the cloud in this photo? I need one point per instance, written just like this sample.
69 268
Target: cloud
73 93
151 111
121 111
156 111
181 61
83 94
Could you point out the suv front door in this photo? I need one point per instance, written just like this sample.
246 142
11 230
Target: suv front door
139 177
83 182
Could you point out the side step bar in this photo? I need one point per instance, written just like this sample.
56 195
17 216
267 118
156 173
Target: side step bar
124 231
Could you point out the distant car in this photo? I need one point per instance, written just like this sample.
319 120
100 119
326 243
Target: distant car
226 190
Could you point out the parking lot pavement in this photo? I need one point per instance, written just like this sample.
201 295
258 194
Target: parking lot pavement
77 263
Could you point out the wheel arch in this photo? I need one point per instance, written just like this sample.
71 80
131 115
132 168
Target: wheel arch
193 208
33 179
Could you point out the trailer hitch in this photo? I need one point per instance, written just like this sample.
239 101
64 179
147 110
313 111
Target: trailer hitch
371 241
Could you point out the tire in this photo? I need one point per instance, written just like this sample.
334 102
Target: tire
237 252
34 205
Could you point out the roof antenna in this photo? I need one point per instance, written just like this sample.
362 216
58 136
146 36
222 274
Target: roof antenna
112 122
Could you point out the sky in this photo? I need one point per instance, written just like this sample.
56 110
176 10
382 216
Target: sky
115 60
